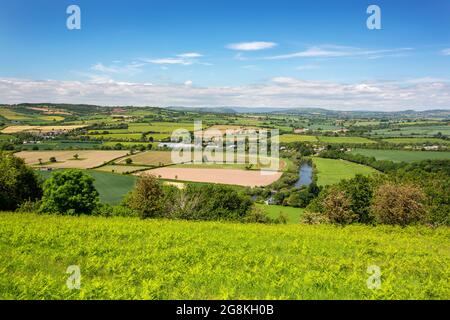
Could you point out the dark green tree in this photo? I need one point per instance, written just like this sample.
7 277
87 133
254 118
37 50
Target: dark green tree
69 192
18 183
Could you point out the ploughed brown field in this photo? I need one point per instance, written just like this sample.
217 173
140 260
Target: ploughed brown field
65 159
248 178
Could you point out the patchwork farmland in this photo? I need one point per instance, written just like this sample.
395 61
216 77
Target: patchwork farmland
119 146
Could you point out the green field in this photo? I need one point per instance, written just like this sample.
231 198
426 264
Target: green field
127 258
12 115
273 211
120 168
416 141
287 138
127 144
6 137
412 131
111 187
155 127
79 145
51 118
402 155
344 140
331 171
128 136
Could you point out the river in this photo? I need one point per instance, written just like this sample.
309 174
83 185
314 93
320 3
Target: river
306 174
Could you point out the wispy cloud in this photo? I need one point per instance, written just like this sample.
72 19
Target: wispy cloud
278 91
190 55
251 46
128 69
170 61
330 51
185 59
446 52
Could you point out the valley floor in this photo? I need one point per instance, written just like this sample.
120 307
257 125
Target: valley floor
127 258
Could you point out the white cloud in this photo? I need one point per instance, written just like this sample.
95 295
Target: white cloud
188 83
190 55
251 46
446 52
185 59
307 67
331 51
280 91
170 61
128 69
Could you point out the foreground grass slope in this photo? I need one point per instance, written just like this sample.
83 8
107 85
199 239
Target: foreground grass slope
124 258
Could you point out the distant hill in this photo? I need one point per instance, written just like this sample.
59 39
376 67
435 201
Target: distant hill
79 109
438 113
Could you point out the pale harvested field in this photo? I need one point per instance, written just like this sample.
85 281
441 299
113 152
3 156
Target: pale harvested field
46 110
15 129
248 178
151 158
88 158
233 129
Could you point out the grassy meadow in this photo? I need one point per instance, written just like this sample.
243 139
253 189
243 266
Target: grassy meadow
402 155
416 140
344 140
288 138
127 258
331 171
274 211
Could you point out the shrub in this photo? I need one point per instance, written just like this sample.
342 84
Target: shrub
147 197
29 206
69 192
129 161
106 210
18 183
206 202
398 204
314 218
337 207
256 215
281 219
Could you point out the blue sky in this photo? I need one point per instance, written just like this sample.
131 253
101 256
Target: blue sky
254 53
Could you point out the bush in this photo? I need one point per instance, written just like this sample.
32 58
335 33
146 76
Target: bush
314 218
18 182
398 204
281 219
29 207
106 210
147 197
337 207
69 192
206 202
256 215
